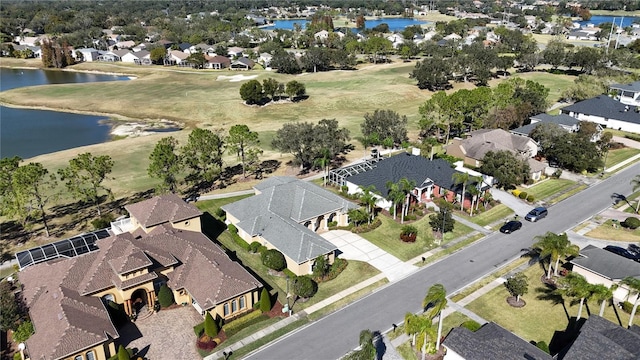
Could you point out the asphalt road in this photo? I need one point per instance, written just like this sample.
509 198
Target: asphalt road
336 334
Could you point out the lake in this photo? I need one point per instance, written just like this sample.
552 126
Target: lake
27 133
599 19
395 24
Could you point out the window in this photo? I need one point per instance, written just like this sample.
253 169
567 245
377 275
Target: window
242 305
226 309
78 357
234 306
91 355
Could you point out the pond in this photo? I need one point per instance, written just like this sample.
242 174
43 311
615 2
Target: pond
27 133
395 24
599 19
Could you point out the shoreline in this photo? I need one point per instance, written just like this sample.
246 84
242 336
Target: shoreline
120 125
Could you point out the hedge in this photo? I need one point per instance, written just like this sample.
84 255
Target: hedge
631 223
516 192
523 195
199 329
251 318
530 198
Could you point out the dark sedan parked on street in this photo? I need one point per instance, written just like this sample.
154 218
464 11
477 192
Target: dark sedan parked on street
510 227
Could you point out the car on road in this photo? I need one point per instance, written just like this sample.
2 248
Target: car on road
537 214
622 252
510 227
634 249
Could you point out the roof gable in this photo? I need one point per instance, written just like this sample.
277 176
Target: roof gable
162 209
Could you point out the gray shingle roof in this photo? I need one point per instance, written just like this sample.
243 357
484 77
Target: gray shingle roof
634 86
491 342
414 168
276 214
482 141
560 119
606 107
602 339
606 263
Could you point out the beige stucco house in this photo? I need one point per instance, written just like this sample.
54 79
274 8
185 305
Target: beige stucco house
161 243
286 214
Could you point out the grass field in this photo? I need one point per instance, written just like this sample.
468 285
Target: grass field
548 188
496 213
607 231
539 319
387 237
619 155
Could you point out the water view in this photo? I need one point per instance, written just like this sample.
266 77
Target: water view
395 24
27 133
599 19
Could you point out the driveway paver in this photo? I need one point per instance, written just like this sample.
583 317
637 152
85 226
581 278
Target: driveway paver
167 334
355 247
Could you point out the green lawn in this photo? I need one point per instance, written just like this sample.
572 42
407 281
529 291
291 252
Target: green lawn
620 155
607 231
210 206
387 237
355 273
539 319
548 188
496 213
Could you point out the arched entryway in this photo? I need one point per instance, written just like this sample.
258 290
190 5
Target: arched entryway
139 299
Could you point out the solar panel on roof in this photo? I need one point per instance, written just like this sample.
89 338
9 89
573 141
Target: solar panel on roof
71 247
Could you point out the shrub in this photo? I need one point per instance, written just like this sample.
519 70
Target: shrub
516 192
543 346
409 233
344 188
273 259
232 229
410 217
23 332
523 195
337 267
165 296
199 329
530 198
265 301
117 313
206 343
251 318
304 286
123 354
254 247
103 221
556 174
210 325
631 223
627 307
471 325
289 273
17 356
220 214
332 224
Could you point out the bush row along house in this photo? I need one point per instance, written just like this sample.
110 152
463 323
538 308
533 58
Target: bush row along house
161 243
287 214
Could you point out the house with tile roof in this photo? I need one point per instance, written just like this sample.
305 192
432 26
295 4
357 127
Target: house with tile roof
162 243
433 179
286 214
600 266
491 341
607 112
478 143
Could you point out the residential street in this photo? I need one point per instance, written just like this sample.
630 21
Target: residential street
336 334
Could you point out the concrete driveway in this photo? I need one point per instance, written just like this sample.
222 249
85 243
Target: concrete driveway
355 247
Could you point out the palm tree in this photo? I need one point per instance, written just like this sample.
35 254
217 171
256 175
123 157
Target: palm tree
474 198
461 178
323 161
634 288
554 246
366 344
419 327
395 195
368 199
602 294
405 185
436 298
635 182
575 286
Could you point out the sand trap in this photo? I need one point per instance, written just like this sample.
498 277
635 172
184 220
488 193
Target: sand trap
236 78
134 129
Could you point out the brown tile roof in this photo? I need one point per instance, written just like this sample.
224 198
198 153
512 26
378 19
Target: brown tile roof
127 263
482 141
64 321
207 273
162 209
